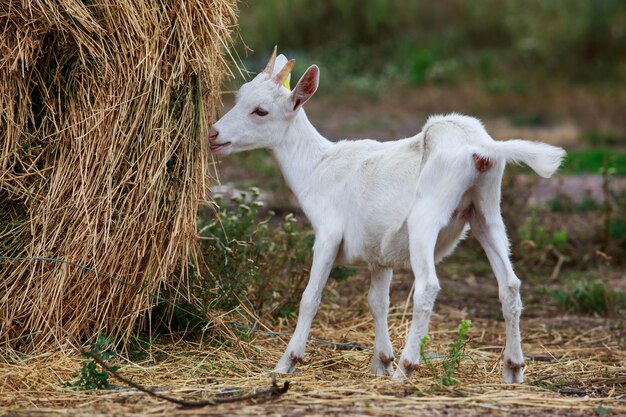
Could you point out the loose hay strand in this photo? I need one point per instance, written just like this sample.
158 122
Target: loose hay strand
103 113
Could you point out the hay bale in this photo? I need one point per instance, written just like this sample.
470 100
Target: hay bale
103 158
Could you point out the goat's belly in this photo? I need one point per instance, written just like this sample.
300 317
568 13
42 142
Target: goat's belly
390 250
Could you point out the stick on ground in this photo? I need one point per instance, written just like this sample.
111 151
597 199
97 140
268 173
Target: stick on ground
273 391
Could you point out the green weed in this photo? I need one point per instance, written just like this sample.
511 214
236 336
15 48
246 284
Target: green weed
605 138
91 376
565 204
588 204
538 236
589 297
342 273
617 228
451 362
422 60
252 257
603 411
533 119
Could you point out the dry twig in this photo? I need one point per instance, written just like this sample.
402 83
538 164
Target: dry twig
273 391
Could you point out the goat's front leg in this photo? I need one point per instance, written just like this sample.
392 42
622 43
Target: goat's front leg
324 254
378 298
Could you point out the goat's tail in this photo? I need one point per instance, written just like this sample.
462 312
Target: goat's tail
544 159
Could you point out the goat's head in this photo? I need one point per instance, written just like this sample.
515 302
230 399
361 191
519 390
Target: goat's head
264 108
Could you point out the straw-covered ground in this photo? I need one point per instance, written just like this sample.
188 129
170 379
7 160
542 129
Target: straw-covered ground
575 366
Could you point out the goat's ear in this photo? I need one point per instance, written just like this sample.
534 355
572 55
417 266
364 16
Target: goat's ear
306 87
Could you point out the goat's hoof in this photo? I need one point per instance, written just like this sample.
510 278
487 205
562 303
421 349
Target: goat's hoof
287 364
285 368
405 370
410 366
296 358
382 364
513 371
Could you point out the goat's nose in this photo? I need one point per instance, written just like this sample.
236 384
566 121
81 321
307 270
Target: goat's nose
213 134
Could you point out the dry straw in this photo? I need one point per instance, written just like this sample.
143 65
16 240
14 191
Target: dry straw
104 108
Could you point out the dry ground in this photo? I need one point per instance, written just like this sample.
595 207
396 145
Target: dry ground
575 366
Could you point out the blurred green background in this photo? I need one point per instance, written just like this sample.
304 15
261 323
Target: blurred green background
505 44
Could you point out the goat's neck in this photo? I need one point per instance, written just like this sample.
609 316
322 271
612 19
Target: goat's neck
300 152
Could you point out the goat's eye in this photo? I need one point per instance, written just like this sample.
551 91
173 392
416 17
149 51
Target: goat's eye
260 112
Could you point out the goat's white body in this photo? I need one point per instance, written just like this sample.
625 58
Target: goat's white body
360 200
365 189
388 205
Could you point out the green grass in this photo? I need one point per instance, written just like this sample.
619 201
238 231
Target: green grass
594 161
590 297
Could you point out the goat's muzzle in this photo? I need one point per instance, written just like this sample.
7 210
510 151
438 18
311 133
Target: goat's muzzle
213 134
213 144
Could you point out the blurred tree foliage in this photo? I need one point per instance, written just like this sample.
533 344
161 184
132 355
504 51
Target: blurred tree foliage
421 41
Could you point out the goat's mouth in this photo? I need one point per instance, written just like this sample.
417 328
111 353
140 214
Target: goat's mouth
216 147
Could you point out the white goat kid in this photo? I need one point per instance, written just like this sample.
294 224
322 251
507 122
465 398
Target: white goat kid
386 205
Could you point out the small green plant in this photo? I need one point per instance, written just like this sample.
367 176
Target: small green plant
589 297
91 376
603 411
342 273
532 230
422 60
559 239
607 138
538 235
451 362
617 228
253 257
588 204
532 119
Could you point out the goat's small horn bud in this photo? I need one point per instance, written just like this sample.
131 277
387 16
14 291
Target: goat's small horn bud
282 75
269 68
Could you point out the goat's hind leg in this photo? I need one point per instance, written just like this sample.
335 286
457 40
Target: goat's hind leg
378 298
324 254
488 227
441 192
426 289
